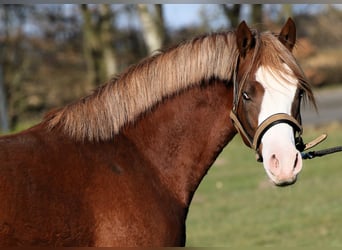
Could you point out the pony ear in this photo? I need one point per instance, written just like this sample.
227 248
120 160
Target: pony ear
244 38
287 34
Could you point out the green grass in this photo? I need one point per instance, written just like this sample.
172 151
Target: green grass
236 205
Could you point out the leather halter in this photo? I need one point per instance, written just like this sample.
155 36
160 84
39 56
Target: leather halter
275 119
255 142
272 120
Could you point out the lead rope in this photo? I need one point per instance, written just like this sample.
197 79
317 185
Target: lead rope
319 153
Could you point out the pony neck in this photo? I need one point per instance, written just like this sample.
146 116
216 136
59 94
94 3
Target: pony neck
136 91
182 137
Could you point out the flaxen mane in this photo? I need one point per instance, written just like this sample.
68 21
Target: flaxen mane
102 114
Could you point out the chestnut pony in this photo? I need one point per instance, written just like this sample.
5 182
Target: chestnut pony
120 166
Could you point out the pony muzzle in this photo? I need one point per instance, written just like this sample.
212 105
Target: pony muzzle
283 165
281 157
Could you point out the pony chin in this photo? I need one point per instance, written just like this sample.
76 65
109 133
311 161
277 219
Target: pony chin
282 161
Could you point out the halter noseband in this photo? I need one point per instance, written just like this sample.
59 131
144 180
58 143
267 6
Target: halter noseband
275 119
282 118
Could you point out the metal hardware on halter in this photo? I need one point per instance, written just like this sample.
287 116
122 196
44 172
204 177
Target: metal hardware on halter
319 153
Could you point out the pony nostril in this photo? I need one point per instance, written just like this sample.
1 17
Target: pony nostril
274 165
296 161
275 161
297 167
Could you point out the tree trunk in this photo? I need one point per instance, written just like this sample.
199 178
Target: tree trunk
4 124
4 120
153 26
97 43
232 13
286 12
89 43
109 58
256 13
13 65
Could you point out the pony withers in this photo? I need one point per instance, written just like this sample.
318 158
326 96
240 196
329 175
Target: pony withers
120 166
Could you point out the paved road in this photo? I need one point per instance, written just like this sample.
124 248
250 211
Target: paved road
329 103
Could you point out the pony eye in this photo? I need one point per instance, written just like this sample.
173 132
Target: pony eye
245 96
301 94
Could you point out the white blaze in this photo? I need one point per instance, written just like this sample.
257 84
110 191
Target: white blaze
278 151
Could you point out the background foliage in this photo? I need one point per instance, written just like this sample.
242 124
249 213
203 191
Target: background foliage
53 54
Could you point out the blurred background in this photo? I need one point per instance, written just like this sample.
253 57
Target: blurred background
53 54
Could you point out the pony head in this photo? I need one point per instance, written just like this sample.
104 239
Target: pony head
268 88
